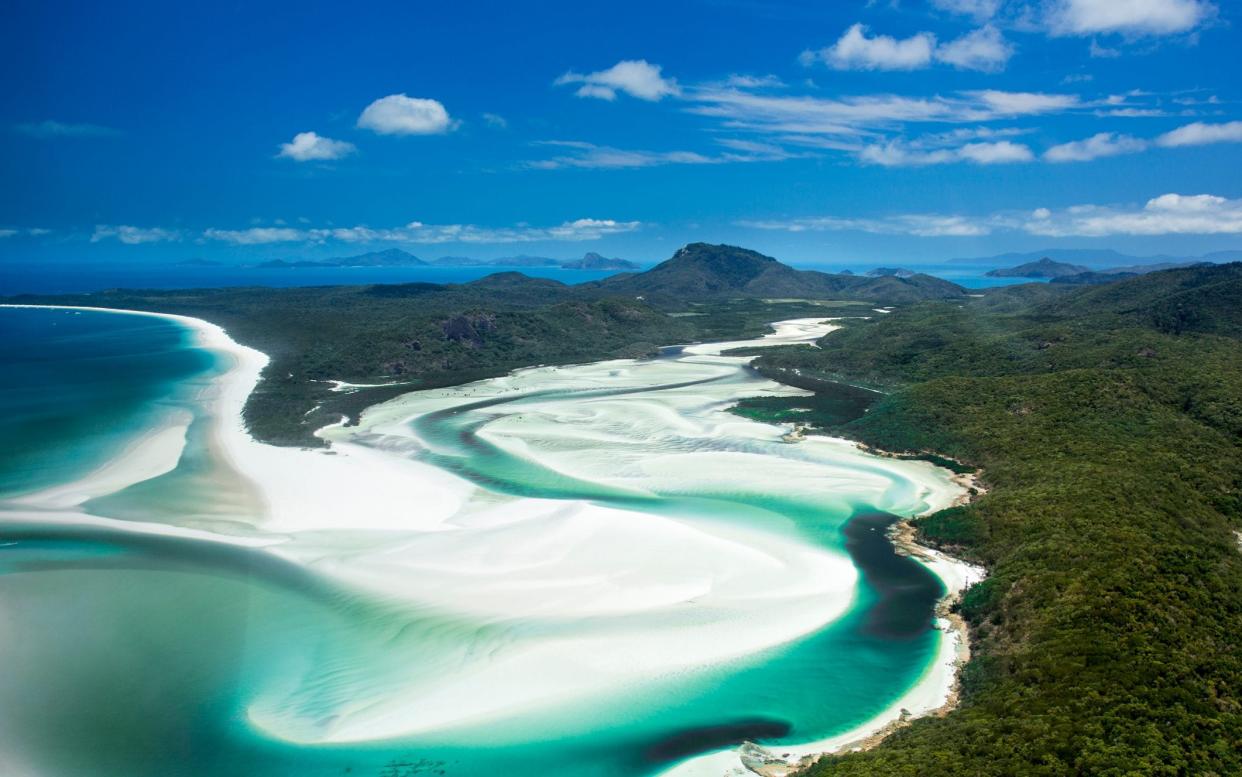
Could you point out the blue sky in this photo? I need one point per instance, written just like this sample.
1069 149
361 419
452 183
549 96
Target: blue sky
821 131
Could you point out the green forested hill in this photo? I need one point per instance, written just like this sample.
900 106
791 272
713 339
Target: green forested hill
702 271
1108 423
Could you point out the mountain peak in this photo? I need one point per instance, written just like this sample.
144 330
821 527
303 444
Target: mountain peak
706 271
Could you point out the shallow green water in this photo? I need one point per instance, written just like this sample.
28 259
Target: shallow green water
133 654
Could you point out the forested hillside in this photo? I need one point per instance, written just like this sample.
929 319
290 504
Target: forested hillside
1108 423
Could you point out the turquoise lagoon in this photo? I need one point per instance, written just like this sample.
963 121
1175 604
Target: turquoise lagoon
589 570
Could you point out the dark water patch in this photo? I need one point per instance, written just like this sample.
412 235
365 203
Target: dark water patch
906 590
52 548
703 739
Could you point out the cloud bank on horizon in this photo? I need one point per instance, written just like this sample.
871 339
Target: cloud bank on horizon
999 121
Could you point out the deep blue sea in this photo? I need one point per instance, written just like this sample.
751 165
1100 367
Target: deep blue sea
85 277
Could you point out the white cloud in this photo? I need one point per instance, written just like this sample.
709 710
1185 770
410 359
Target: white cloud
919 224
256 235
418 232
636 77
399 114
1000 152
981 10
985 49
1024 103
311 147
7 232
59 129
1199 133
855 51
753 82
496 121
134 235
852 117
1128 17
1168 214
898 154
1101 144
32 232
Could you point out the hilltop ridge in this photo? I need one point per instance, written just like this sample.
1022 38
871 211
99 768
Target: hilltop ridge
703 271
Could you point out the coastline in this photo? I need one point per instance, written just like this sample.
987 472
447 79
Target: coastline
286 479
935 694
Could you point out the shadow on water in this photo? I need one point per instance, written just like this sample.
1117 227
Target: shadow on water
906 590
703 739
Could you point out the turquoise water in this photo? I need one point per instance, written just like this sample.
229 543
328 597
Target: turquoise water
137 654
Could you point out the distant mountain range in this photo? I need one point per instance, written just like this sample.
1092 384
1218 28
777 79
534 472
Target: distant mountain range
395 257
1062 272
1097 258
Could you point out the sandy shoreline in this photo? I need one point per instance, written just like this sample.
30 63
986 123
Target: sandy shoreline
302 492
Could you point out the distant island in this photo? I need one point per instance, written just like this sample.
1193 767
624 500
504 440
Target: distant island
593 261
1097 258
1044 268
1062 272
889 272
396 257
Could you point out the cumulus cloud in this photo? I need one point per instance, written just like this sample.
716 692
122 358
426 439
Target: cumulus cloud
418 232
984 49
311 147
59 129
1199 133
1128 17
898 154
400 114
636 77
855 51
131 235
1168 214
1102 144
